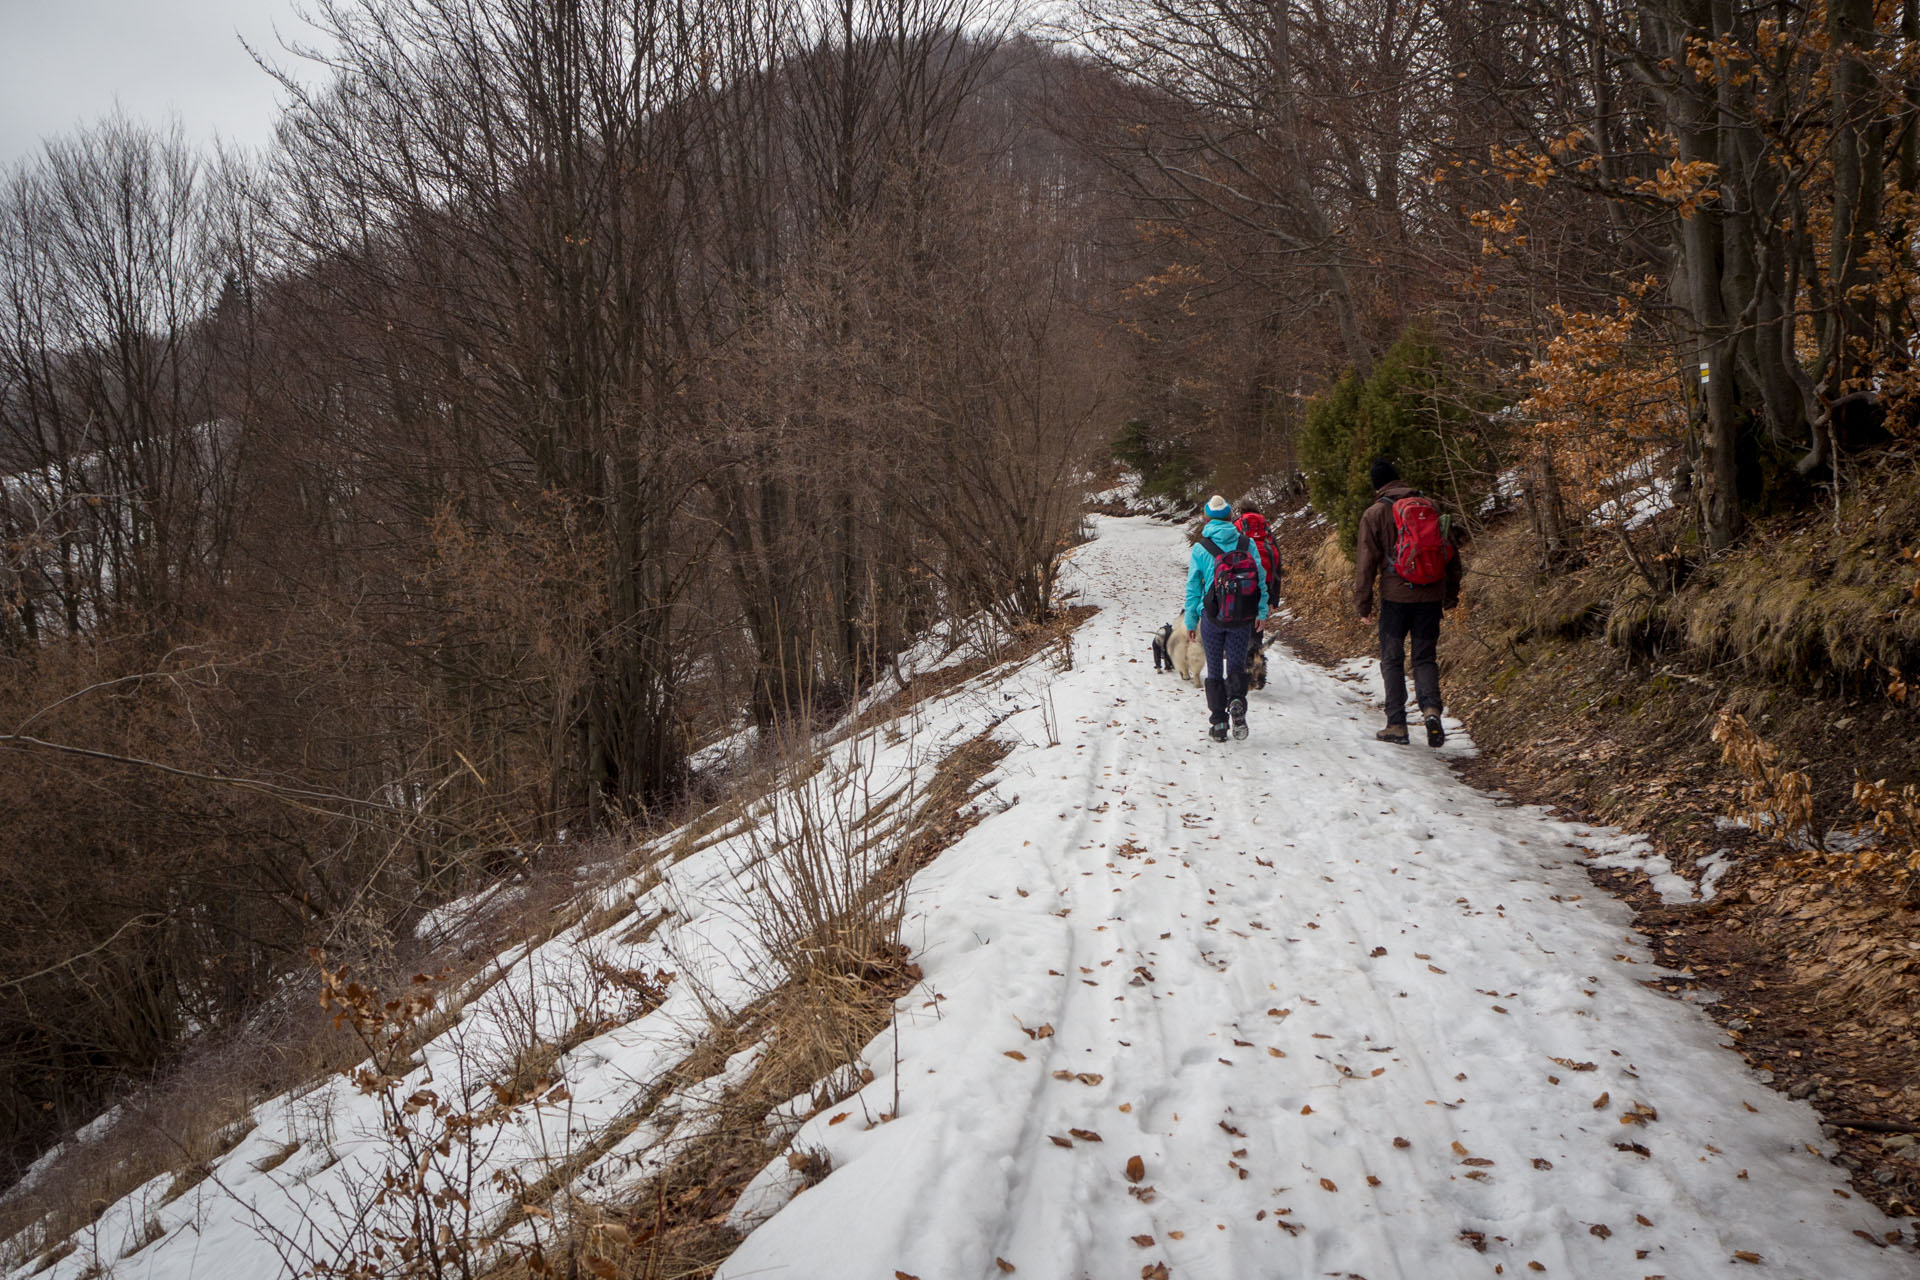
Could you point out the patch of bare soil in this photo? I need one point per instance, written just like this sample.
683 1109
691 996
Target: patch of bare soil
1816 977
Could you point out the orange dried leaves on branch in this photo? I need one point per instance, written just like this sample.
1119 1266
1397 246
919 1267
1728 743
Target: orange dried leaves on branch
1602 396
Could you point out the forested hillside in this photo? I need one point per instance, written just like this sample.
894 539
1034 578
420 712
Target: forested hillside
576 383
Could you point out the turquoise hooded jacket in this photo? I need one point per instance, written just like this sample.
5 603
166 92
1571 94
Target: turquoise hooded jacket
1224 536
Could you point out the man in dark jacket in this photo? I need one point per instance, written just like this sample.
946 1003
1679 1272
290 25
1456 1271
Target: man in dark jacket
1407 610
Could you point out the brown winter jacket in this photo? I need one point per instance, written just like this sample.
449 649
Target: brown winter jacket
1373 559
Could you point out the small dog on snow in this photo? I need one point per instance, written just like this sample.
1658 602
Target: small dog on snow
1172 651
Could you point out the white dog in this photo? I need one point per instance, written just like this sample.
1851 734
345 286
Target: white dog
1188 658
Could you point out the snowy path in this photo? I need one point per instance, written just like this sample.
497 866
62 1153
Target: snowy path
1342 1007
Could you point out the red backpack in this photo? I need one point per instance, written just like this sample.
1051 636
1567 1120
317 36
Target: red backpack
1254 525
1422 545
1235 594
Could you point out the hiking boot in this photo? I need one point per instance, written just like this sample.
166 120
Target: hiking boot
1436 732
1237 712
1217 731
1394 733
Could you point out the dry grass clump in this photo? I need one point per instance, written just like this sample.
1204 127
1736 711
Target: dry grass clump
846 971
178 1124
181 1122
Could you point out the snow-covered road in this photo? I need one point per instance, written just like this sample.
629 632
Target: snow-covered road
1352 1017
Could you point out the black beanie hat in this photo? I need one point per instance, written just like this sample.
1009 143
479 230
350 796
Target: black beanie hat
1382 473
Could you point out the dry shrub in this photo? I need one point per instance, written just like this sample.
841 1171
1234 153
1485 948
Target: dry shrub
814 861
1773 798
177 1123
1896 823
1848 912
813 1029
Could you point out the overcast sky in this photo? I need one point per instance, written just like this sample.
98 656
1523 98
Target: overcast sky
63 63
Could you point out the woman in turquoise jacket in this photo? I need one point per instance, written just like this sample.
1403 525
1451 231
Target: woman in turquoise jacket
1225 643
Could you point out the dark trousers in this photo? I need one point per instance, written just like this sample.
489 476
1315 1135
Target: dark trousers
1421 624
1226 648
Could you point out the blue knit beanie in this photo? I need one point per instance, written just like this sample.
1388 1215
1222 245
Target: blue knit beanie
1218 508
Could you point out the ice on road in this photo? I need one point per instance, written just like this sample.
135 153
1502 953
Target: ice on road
1303 1005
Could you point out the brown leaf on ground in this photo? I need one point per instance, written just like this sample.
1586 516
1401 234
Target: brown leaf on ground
1136 1168
1600 1229
1145 1242
1600 1103
1402 1143
1571 1065
1155 1271
1016 1055
1326 1184
1458 1149
1746 1255
1005 1266
1059 1141
1085 1135
1540 1163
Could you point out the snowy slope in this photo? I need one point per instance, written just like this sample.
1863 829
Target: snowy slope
1343 1008
1340 1006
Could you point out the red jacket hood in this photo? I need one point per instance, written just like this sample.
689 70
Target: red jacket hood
1252 523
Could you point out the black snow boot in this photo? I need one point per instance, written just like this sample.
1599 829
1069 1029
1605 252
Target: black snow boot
1237 703
1217 710
1436 732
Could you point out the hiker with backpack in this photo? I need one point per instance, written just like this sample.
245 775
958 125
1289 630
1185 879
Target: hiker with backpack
1254 525
1406 546
1226 605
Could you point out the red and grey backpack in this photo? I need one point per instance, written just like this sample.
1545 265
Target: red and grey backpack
1422 541
1255 526
1234 595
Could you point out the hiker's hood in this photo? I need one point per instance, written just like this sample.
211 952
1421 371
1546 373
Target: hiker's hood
1394 490
1222 534
1253 524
